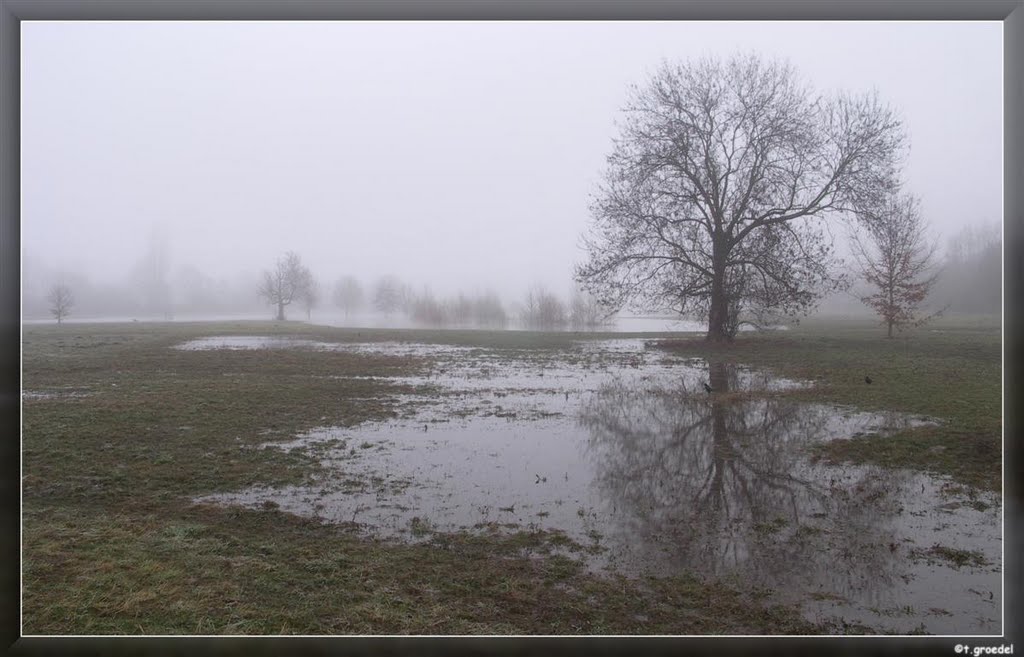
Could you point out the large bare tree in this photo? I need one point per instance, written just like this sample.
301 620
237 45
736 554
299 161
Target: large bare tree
716 187
285 283
61 300
897 259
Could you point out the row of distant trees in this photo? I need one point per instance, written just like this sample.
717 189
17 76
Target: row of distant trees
966 280
290 282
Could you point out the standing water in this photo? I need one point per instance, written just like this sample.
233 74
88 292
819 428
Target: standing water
621 448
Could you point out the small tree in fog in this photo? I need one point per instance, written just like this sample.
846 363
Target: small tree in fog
488 312
543 310
425 309
971 278
285 283
460 310
61 300
310 294
388 295
348 294
897 259
586 312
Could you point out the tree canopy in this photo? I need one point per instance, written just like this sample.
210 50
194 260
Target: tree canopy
288 281
897 260
714 190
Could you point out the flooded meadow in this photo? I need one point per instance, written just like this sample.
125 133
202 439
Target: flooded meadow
644 463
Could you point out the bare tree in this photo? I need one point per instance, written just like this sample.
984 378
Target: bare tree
310 294
425 309
715 191
543 310
460 309
488 312
287 282
586 312
151 275
388 295
61 300
348 294
897 259
971 276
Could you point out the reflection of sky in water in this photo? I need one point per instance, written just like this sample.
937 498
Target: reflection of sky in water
619 446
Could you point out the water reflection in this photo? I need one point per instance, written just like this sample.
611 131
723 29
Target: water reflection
718 483
620 447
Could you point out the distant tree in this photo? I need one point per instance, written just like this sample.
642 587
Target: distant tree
897 260
425 309
310 294
488 312
586 312
61 300
285 283
717 188
460 310
543 310
193 290
971 277
388 295
151 275
348 294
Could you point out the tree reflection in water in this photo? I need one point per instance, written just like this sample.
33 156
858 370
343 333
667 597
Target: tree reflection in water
719 484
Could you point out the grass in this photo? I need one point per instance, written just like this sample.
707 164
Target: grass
954 556
114 545
950 370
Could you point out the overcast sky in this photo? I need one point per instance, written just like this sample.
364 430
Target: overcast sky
462 155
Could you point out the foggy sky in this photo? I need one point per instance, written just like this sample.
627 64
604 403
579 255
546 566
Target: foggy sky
459 155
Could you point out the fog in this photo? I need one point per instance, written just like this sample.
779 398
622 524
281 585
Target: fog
456 157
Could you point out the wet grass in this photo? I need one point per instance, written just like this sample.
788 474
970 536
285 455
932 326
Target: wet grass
114 545
957 558
949 370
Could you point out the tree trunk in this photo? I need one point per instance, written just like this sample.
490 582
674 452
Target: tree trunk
718 315
890 328
280 311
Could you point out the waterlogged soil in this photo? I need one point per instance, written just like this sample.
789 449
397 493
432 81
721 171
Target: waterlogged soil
621 448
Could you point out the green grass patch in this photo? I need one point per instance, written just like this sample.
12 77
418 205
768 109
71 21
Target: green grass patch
949 370
953 556
113 543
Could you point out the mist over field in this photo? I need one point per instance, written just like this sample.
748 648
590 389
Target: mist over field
499 329
162 180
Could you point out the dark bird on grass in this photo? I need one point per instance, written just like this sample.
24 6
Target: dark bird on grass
867 380
708 388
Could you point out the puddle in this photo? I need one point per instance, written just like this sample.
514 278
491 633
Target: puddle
248 342
621 447
44 395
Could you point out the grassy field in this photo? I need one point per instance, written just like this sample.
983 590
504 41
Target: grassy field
120 432
951 370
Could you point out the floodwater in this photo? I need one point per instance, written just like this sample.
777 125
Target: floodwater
619 446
